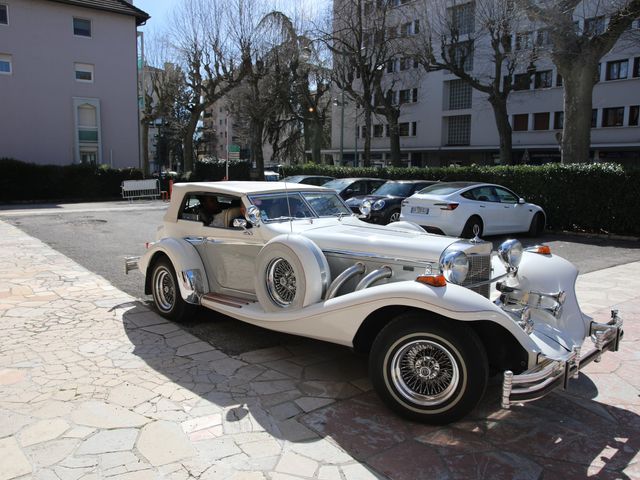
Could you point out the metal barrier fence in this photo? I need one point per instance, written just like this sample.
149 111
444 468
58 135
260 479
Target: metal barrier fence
140 189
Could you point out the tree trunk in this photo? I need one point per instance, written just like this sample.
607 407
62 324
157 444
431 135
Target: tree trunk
499 105
255 134
578 103
392 116
188 140
366 156
316 141
144 138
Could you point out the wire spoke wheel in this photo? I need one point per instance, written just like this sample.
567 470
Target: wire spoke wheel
395 216
424 372
164 289
281 282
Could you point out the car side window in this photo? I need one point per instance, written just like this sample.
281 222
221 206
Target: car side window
190 209
374 185
210 210
485 194
359 188
506 196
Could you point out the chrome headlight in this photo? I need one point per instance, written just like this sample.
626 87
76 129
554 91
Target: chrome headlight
510 252
455 266
377 205
365 208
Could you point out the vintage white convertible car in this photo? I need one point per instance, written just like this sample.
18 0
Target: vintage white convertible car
436 314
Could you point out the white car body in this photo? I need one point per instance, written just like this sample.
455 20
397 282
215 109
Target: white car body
452 204
352 278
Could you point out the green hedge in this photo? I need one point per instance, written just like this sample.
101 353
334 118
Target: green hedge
215 171
21 181
598 198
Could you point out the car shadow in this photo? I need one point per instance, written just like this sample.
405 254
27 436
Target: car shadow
303 391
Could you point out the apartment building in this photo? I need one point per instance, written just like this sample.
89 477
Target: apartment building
68 81
444 121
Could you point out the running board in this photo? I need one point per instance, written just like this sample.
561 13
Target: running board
223 299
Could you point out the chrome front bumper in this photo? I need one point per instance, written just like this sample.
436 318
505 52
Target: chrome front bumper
551 374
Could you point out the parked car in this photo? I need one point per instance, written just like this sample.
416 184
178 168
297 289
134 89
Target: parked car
419 304
464 208
308 179
349 187
383 205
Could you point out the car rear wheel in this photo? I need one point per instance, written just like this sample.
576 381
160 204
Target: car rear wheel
469 228
395 216
427 371
537 225
166 293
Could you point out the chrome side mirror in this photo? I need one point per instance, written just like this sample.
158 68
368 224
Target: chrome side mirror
521 201
253 215
239 223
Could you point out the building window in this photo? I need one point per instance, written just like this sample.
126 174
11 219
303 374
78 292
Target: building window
408 96
522 81
363 131
459 130
414 129
594 118
544 79
414 95
407 62
462 18
613 117
541 121
4 15
462 55
617 70
633 115
559 81
542 38
598 73
5 64
404 129
410 28
378 130
593 26
84 72
524 41
636 67
459 95
81 27
521 122
558 120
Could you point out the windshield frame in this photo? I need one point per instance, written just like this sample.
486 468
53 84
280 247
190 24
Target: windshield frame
301 195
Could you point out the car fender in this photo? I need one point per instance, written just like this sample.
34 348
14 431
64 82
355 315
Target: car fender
187 263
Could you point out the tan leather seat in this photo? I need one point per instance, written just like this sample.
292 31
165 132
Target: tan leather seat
230 214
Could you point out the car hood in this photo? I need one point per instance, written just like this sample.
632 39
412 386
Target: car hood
353 235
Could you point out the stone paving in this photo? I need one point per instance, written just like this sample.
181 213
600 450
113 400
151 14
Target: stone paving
94 385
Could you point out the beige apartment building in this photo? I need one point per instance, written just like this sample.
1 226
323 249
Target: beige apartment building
444 121
68 81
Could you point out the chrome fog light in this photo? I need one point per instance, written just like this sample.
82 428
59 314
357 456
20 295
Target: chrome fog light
510 252
455 267
365 208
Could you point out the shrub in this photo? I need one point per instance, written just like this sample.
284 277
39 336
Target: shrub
587 197
21 181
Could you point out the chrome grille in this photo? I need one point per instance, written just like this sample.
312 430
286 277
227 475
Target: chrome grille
479 270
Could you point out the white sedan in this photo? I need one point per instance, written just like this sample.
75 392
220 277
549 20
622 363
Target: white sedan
462 209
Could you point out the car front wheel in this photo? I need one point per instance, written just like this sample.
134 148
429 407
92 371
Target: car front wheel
166 293
428 371
395 216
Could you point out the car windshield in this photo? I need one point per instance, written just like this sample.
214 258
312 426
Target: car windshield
338 184
394 188
444 188
294 205
294 179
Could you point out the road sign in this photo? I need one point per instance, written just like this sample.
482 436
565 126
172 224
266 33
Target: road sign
234 148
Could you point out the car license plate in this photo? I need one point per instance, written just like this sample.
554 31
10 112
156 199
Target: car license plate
422 210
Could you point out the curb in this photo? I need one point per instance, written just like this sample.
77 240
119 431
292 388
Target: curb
604 236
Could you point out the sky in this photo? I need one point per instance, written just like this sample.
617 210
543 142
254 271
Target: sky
160 10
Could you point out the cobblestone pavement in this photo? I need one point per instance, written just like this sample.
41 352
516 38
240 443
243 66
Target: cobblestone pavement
94 385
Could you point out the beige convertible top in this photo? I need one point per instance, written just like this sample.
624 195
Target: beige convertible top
240 188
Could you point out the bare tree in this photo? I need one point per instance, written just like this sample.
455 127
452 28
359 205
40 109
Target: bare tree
474 42
163 84
210 46
581 33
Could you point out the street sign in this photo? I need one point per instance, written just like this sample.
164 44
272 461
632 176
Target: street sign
234 148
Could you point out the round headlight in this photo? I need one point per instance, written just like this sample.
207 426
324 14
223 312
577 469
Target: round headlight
253 215
510 252
379 204
455 267
365 208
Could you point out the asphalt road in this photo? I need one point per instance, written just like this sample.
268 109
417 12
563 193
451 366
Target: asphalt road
100 241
